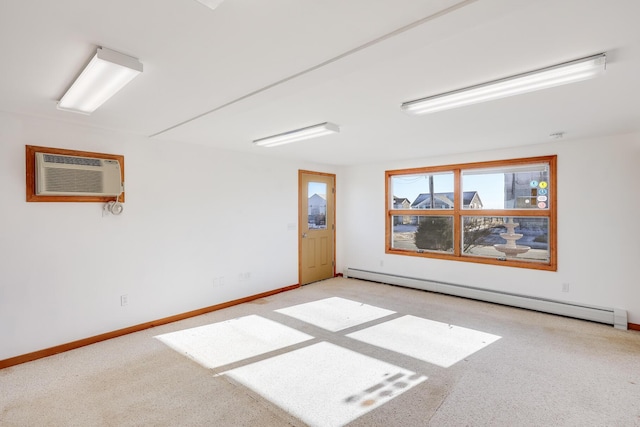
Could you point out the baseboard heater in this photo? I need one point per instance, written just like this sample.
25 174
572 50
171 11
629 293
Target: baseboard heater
611 316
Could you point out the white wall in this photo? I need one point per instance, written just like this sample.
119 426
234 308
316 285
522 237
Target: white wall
192 214
598 239
190 217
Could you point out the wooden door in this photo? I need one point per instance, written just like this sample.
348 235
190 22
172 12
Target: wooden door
316 241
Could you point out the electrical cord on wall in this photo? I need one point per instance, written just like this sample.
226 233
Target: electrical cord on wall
115 207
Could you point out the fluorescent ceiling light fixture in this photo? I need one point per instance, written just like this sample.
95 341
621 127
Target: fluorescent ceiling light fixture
107 73
211 4
568 72
298 135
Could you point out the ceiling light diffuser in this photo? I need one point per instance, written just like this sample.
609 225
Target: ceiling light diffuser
298 135
211 4
107 73
568 72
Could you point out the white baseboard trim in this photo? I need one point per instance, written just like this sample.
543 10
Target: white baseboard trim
611 316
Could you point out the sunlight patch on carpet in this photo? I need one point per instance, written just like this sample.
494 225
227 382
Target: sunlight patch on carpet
335 314
434 342
233 340
325 384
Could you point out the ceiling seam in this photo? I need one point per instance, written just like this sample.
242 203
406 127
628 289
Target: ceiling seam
350 52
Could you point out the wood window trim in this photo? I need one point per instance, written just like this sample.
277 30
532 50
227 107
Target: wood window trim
457 212
30 158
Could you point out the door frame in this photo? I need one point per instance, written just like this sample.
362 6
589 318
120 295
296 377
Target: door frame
302 222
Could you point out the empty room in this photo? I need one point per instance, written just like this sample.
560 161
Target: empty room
177 249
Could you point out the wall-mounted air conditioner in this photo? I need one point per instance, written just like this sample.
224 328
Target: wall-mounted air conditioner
61 175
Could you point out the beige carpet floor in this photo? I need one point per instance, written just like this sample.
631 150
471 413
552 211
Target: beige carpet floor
357 353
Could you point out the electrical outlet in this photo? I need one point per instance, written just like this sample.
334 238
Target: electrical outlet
565 287
124 300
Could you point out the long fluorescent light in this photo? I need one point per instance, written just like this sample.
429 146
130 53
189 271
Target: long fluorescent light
211 4
568 72
107 73
298 135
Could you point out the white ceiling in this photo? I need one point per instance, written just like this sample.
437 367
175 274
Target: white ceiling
253 68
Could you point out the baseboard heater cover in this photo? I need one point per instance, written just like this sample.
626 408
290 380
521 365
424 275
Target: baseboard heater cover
611 316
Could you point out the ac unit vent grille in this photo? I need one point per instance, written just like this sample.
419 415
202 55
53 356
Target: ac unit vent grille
68 160
73 180
60 175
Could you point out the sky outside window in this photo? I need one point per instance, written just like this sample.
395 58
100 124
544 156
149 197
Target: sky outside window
490 187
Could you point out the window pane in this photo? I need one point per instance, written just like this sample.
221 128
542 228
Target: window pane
422 191
317 210
524 238
422 233
515 187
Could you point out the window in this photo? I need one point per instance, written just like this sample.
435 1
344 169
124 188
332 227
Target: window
500 212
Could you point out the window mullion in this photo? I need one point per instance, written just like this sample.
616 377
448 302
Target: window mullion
506 212
457 208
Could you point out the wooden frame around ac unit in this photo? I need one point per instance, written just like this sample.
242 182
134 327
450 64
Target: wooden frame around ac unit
30 157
